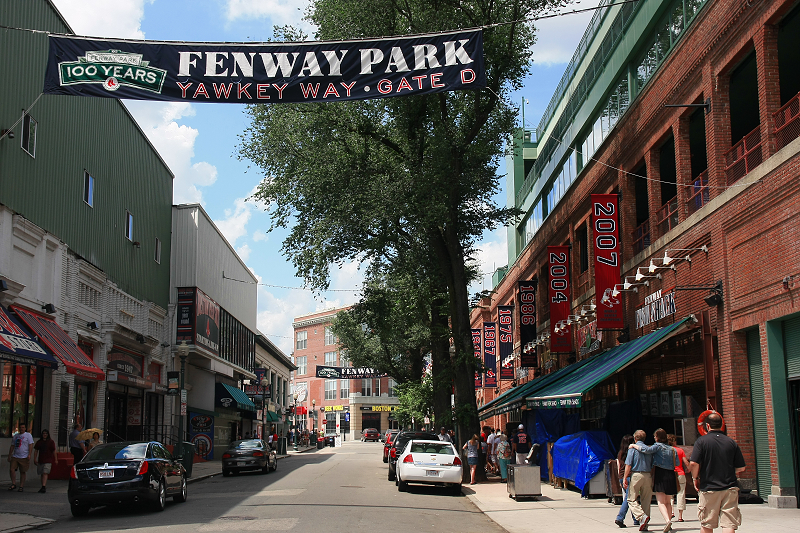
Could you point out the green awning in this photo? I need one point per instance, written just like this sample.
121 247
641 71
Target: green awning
272 417
231 397
568 390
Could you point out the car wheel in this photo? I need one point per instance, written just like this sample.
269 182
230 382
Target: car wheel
79 510
385 459
266 469
183 494
392 476
402 486
456 489
161 500
274 468
226 473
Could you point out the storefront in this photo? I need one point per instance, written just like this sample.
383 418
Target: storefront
371 412
232 409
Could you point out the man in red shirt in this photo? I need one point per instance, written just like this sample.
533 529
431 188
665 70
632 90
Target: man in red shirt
44 456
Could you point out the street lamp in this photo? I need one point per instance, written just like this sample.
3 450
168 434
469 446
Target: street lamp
183 353
294 424
264 382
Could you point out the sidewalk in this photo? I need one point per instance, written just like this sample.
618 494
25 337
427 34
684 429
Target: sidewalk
565 511
201 471
11 522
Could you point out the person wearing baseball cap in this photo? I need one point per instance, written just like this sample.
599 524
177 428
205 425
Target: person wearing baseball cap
521 444
443 435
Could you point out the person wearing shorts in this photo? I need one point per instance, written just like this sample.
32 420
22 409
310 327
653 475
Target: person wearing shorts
44 456
19 456
716 461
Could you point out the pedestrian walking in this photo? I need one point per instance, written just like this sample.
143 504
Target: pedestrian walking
44 457
637 470
76 447
491 458
472 446
715 463
521 444
19 456
94 442
680 470
443 435
665 486
503 456
627 440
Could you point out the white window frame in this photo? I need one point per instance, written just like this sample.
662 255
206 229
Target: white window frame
128 225
301 364
330 338
158 251
331 388
366 387
344 389
330 358
88 188
25 141
392 385
301 340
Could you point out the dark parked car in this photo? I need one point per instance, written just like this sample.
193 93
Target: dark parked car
250 454
390 435
126 472
400 442
370 434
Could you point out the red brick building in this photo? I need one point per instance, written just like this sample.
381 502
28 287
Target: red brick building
715 187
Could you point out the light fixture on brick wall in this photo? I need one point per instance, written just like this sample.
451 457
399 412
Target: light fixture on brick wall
667 259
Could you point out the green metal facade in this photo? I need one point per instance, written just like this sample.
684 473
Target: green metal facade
75 135
758 402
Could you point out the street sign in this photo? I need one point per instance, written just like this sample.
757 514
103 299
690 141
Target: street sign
183 402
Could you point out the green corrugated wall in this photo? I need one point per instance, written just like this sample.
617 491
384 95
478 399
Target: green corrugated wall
791 339
76 133
760 434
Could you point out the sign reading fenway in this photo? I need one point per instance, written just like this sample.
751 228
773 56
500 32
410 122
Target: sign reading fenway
265 72
561 340
605 228
347 372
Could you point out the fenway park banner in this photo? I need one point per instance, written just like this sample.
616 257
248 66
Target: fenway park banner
605 228
561 339
477 349
506 341
347 372
249 73
526 296
490 354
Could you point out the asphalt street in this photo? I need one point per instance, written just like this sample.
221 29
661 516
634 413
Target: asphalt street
335 489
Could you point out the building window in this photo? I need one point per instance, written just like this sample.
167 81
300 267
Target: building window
343 361
88 189
28 141
330 338
377 390
366 387
582 236
392 388
302 340
344 392
128 225
301 365
158 252
330 389
330 358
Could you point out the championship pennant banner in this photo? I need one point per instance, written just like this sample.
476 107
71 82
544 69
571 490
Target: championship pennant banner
526 294
561 340
605 226
506 341
490 354
477 348
328 71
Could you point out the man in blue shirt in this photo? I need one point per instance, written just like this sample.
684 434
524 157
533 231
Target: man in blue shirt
638 467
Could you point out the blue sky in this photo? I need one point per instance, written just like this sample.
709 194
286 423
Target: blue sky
198 141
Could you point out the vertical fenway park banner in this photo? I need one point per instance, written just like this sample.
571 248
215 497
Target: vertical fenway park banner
558 257
526 295
505 342
490 354
249 73
605 228
477 348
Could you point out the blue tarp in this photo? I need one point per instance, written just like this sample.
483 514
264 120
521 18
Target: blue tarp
550 425
579 457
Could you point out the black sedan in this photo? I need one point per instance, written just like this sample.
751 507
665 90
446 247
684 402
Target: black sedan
400 442
249 454
126 472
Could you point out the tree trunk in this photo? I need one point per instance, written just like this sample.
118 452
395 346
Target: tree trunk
442 368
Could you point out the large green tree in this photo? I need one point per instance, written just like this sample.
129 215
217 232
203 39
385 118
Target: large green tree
367 181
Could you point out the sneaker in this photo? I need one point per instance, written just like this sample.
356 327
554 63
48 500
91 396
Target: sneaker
620 523
668 527
43 489
643 525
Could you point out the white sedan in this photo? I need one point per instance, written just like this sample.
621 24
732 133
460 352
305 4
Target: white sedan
430 462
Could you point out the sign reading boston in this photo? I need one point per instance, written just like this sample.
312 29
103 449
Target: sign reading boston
265 72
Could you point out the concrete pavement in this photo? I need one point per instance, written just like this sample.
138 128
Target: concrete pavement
201 471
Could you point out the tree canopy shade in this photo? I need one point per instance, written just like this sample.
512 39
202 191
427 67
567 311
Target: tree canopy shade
380 180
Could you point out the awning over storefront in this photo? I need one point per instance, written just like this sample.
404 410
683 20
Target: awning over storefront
58 342
568 390
272 417
228 396
19 346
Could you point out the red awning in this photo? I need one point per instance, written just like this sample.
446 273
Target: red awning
57 340
300 410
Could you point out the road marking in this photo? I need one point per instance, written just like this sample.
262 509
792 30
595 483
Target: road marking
246 523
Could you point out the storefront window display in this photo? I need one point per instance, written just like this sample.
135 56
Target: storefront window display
20 398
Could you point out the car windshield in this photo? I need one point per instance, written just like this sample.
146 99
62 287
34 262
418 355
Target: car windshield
246 444
121 450
430 447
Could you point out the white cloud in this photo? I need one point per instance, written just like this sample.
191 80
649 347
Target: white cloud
175 142
558 37
490 254
101 18
260 235
278 11
234 225
244 252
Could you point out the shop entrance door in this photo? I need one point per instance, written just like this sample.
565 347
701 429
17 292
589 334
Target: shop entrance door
794 413
116 415
371 420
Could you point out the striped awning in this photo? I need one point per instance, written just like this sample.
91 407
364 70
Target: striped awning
568 390
228 396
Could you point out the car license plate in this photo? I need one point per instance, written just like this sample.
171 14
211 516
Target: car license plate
432 473
240 463
105 473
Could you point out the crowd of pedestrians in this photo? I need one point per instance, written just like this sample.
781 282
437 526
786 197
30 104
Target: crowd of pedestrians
23 450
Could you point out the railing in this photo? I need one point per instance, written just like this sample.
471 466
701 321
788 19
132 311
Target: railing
787 122
743 156
641 237
667 216
698 192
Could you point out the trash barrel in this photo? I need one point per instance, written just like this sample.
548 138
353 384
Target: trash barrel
281 446
186 454
320 443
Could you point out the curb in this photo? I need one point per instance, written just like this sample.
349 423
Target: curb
40 522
